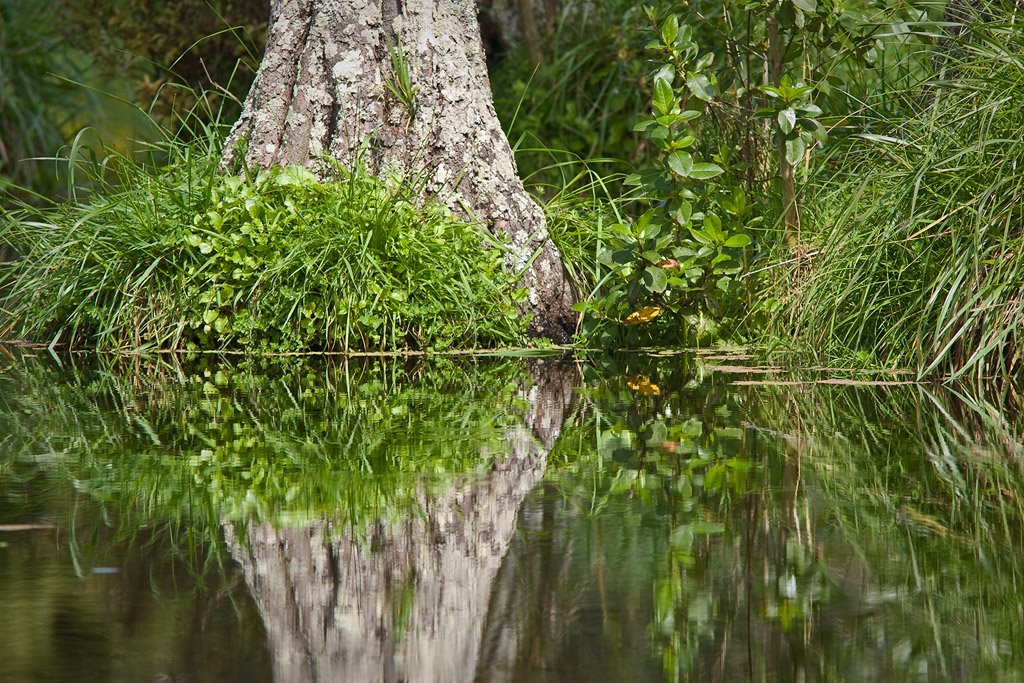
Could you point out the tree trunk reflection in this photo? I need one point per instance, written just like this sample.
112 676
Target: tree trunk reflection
407 601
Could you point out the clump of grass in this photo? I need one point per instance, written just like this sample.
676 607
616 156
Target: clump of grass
182 256
918 260
580 211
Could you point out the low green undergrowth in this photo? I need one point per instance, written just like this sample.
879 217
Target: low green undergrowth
182 256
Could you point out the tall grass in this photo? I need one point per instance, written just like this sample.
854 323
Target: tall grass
175 254
917 258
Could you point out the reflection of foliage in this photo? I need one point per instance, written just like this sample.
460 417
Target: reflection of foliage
797 528
676 454
744 532
921 503
287 443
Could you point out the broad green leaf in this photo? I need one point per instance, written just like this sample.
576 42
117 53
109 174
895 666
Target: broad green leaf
684 142
704 62
820 133
660 133
800 91
701 87
664 96
683 214
655 279
702 237
670 29
704 171
809 6
787 120
651 256
680 163
622 256
795 149
713 227
737 240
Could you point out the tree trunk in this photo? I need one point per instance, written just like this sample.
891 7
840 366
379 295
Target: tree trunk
787 172
321 90
552 8
410 602
531 35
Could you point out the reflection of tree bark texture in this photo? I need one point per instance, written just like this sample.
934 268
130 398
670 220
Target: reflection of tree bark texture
409 602
533 601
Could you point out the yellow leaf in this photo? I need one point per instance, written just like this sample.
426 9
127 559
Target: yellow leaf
644 314
644 386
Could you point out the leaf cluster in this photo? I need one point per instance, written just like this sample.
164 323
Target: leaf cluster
674 257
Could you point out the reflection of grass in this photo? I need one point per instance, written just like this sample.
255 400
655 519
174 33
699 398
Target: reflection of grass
872 530
915 497
287 444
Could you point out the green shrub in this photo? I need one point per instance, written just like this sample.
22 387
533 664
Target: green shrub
172 53
182 256
669 272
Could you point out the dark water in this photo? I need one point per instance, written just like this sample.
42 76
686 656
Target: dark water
628 519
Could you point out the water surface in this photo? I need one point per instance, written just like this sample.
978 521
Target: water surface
597 519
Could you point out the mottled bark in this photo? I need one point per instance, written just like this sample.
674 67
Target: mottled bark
321 91
408 603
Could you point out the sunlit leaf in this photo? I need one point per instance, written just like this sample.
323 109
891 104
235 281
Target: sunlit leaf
701 87
681 163
795 149
738 240
664 96
787 120
644 314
